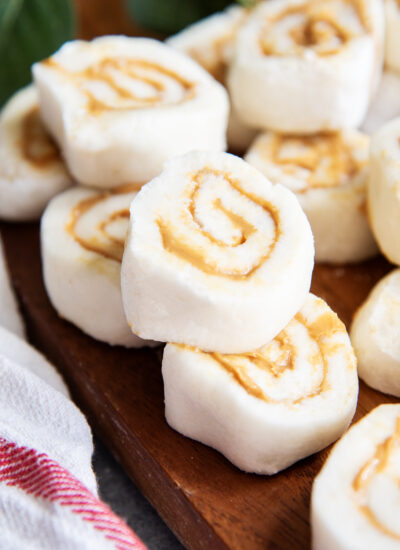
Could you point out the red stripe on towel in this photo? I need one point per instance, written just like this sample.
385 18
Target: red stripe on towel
38 475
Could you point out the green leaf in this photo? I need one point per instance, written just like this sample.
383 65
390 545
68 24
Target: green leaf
248 3
170 16
30 30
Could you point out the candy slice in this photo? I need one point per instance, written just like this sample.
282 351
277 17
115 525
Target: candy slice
216 257
385 105
383 189
10 317
82 237
392 53
31 168
355 498
268 408
119 107
307 66
328 172
17 350
375 336
210 42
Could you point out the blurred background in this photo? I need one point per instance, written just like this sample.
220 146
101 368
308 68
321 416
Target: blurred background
31 30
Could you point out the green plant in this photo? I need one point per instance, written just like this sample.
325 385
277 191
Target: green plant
170 16
30 30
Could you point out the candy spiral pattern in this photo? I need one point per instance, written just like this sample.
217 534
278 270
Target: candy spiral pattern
32 170
323 26
320 161
382 463
104 234
122 83
190 242
37 147
294 366
329 174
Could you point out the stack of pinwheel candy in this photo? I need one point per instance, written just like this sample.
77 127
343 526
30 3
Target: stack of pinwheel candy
151 233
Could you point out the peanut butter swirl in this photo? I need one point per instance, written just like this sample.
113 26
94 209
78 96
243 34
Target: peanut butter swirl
377 464
101 238
215 56
324 26
122 83
36 145
215 63
321 161
281 355
177 239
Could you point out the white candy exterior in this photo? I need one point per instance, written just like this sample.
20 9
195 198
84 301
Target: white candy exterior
109 139
337 195
205 401
206 265
83 284
383 190
392 54
10 317
355 497
385 105
210 42
375 335
293 89
26 185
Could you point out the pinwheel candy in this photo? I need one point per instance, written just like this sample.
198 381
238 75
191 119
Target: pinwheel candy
31 169
270 407
216 257
119 107
82 239
306 66
328 172
355 498
375 336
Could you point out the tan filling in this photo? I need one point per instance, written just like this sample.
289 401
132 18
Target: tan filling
215 61
112 247
218 66
180 246
377 464
105 71
36 145
320 330
319 29
327 157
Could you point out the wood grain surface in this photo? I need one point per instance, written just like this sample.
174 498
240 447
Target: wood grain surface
205 500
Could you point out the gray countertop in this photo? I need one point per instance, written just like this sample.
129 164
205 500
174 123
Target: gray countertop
120 493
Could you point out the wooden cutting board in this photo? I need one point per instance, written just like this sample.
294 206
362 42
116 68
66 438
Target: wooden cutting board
207 502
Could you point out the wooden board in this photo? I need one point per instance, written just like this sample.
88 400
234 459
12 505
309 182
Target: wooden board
205 500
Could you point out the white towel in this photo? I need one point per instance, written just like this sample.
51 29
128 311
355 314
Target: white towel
48 492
